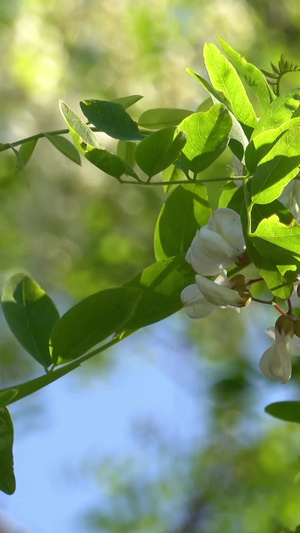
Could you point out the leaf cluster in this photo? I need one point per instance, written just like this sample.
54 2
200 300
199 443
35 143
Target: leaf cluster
176 146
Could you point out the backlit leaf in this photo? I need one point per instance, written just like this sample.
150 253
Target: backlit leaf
207 137
65 147
112 119
159 118
30 314
182 214
159 150
91 321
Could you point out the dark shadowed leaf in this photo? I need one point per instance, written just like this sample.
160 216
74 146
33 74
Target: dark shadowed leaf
30 314
25 153
109 163
7 477
182 214
159 118
65 147
288 411
161 285
91 321
127 101
111 118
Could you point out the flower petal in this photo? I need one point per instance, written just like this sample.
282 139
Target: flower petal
195 304
218 294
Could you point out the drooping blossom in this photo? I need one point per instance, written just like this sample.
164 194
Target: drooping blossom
276 361
217 245
206 295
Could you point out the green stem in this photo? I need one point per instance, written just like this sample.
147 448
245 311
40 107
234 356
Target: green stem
178 182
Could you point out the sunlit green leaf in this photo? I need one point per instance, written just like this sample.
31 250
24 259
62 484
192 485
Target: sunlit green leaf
226 80
91 321
277 168
65 147
278 246
83 137
159 150
289 411
159 118
172 174
262 143
161 284
207 137
30 314
182 214
111 118
282 109
237 133
7 477
251 74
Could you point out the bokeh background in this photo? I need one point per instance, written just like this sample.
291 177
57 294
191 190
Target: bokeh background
167 432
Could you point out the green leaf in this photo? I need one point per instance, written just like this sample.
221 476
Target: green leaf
25 153
83 137
112 119
277 254
282 109
65 147
237 133
7 477
277 168
172 174
161 284
232 197
127 101
159 150
251 74
262 143
91 321
205 105
279 279
126 151
282 236
109 163
30 314
207 137
159 118
182 214
288 411
226 80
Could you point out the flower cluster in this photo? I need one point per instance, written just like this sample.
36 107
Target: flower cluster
215 248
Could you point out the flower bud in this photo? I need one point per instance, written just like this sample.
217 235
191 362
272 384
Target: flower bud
296 325
285 325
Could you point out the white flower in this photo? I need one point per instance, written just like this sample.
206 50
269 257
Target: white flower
206 295
276 362
290 198
218 244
